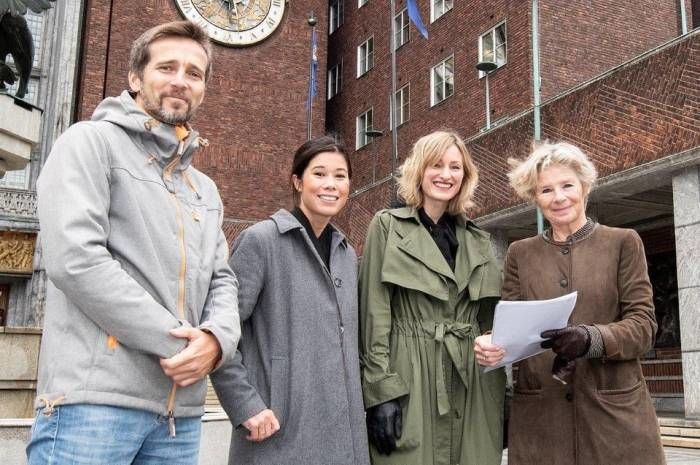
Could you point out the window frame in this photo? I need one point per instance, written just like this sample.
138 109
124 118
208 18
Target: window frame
335 89
335 15
433 4
368 57
361 138
492 32
405 104
402 28
433 74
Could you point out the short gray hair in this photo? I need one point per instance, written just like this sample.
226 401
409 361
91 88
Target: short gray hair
525 173
140 55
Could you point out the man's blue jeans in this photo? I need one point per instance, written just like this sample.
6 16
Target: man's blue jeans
83 434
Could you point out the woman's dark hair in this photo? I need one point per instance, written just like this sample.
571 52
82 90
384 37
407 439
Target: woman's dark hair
311 148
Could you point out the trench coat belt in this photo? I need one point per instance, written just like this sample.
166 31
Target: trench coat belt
449 335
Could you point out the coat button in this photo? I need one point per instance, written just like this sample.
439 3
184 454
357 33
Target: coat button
338 282
564 282
565 251
569 396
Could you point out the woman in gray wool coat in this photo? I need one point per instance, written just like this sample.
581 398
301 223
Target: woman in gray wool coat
293 390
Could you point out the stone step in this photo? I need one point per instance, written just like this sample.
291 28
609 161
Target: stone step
678 421
680 432
673 441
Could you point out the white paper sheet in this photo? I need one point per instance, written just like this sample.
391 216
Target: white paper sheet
517 325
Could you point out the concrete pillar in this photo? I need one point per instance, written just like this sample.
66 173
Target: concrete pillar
686 211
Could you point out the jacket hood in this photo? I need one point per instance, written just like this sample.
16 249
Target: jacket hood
157 139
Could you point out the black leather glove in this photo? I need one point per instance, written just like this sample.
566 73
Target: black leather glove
568 343
563 370
384 426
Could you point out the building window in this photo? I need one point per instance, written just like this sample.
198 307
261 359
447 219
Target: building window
362 125
361 3
401 29
335 15
19 179
439 8
4 302
492 46
335 80
365 56
401 106
442 80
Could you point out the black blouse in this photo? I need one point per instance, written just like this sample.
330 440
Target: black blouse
444 233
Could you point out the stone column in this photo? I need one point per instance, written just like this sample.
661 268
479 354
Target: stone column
686 211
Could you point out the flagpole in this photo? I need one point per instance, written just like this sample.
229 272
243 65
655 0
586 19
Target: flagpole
392 102
309 107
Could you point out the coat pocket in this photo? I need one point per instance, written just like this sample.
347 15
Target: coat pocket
626 396
278 393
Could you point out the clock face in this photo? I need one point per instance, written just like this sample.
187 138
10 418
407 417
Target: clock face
234 22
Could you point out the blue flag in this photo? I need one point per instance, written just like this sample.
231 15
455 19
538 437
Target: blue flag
313 69
414 14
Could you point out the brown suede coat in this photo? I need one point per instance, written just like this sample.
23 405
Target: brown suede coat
605 416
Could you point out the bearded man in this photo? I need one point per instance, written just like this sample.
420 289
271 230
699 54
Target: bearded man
141 303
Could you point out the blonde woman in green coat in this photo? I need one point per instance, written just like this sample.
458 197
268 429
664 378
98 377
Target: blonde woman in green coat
428 285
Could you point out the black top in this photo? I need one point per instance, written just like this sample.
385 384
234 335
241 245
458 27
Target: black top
444 233
322 244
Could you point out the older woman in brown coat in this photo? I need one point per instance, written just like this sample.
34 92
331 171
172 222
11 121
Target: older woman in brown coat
584 402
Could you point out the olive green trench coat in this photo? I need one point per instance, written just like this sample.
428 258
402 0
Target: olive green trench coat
418 323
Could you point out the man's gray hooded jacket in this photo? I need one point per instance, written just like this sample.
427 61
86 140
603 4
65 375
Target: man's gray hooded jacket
133 247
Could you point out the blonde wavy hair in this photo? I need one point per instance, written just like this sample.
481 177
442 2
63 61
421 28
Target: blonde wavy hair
426 152
525 173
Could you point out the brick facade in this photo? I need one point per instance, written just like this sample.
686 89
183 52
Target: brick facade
647 110
254 110
579 40
455 33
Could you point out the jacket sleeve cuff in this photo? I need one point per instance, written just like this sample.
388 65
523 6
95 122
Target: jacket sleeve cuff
597 347
389 388
610 345
225 353
174 345
251 408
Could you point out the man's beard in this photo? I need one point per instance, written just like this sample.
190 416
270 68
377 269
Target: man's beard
174 117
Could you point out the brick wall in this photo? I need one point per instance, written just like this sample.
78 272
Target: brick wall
455 33
254 110
644 111
580 40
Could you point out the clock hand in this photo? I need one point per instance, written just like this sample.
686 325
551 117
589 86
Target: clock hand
238 16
